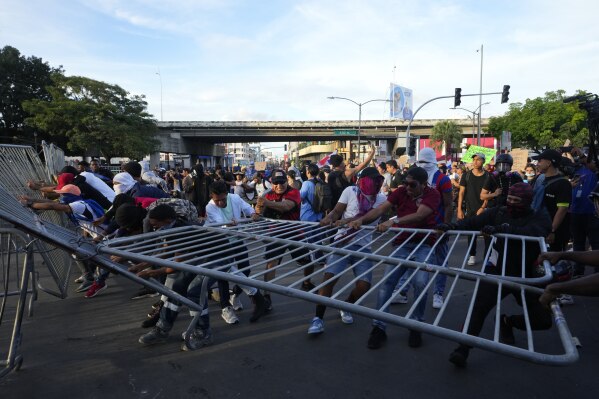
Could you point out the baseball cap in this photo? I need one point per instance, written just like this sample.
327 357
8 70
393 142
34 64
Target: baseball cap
480 155
551 155
64 179
69 189
278 176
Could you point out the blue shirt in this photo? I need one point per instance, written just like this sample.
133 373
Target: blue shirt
580 194
307 214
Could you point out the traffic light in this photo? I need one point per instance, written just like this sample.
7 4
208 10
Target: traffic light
285 147
457 100
505 94
412 146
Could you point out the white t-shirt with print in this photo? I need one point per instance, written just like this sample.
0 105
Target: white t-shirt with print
99 185
349 196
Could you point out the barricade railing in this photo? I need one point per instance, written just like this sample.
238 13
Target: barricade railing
18 165
54 157
16 264
213 250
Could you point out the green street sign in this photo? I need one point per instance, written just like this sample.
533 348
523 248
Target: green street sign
346 132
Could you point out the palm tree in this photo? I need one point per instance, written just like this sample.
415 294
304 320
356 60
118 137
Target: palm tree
448 133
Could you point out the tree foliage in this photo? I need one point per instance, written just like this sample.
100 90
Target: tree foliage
448 133
96 117
21 78
543 122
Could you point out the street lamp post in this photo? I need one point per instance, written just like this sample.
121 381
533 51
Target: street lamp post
160 77
480 96
359 117
474 113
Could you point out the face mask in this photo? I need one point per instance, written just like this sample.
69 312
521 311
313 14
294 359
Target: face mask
530 174
517 210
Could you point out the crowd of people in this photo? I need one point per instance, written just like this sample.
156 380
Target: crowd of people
556 197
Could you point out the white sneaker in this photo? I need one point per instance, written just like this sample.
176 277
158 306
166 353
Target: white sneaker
317 326
235 301
472 261
401 299
215 295
346 317
437 301
229 315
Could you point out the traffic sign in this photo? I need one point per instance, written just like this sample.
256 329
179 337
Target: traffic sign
346 132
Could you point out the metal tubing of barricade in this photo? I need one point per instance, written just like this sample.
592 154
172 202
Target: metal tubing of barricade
570 356
14 359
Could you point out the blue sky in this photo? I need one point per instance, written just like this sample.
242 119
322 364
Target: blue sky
279 60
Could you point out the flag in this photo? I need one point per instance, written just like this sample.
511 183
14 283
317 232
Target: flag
325 160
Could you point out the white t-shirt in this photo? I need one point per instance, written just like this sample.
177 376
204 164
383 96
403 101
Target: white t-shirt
99 185
250 195
349 196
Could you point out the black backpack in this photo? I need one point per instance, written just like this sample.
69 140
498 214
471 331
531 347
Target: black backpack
323 197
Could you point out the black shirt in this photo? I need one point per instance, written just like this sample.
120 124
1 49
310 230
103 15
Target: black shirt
559 192
503 181
396 179
337 183
474 185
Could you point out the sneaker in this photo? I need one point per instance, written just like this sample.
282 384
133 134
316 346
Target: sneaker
346 317
145 292
228 315
437 301
95 289
565 299
399 298
259 307
84 286
156 336
152 319
506 335
317 326
472 261
459 356
198 339
307 286
377 338
415 339
157 305
83 277
235 301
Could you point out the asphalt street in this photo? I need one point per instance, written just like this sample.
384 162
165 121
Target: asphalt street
87 348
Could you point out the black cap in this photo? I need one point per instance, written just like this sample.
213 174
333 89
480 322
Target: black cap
551 155
278 176
369 172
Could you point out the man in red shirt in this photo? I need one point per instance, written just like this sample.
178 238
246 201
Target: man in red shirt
417 205
283 202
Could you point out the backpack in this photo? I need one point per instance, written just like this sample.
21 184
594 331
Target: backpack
323 197
186 210
539 186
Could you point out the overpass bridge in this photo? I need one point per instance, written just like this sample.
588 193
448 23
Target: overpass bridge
200 137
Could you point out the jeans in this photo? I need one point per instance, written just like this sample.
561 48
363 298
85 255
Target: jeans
441 251
393 274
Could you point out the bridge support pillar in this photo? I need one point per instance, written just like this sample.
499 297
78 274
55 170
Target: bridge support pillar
154 160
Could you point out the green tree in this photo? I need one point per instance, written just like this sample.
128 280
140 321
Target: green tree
543 122
96 118
448 133
21 78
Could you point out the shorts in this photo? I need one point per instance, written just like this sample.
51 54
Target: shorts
337 263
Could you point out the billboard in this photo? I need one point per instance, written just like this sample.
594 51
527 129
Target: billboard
401 102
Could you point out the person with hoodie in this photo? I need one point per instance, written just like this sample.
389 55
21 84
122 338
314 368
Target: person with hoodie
200 194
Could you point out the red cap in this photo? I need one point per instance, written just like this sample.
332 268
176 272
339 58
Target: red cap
64 178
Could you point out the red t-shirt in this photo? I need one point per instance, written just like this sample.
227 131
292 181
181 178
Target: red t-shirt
407 205
291 194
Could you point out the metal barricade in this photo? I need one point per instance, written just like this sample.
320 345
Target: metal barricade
18 165
54 157
16 264
195 249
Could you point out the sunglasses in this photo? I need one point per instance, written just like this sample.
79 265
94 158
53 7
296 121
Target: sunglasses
412 184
